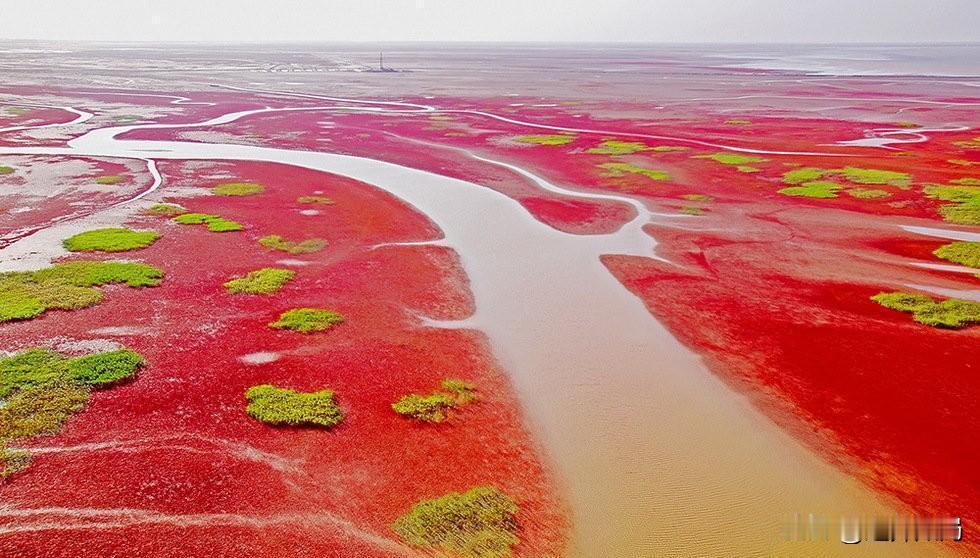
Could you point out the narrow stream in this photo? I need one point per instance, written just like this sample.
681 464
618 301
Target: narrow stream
655 455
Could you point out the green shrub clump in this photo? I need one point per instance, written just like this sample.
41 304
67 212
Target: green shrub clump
801 175
867 193
110 240
166 209
109 179
478 523
817 189
614 147
280 406
238 189
617 170
315 199
874 176
39 367
950 313
964 253
547 139
732 158
67 286
307 246
307 320
214 223
4 169
262 281
41 389
433 407
965 208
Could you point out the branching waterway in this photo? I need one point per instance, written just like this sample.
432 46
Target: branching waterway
653 453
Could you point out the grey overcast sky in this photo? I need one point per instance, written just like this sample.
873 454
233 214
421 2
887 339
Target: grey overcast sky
495 20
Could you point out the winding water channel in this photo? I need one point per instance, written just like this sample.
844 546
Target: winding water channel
654 454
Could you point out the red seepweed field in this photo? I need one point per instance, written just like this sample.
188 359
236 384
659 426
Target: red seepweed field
773 230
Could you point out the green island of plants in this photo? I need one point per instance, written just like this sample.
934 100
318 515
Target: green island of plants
738 122
433 407
4 169
965 208
855 175
692 210
615 147
40 389
618 170
733 159
214 223
966 181
67 286
874 176
867 193
267 280
286 407
166 209
961 252
323 200
951 313
307 246
238 189
698 197
109 179
816 189
307 320
110 240
546 139
669 148
478 523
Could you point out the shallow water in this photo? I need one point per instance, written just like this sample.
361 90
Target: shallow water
655 455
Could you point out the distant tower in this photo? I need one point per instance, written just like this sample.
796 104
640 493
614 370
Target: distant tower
381 61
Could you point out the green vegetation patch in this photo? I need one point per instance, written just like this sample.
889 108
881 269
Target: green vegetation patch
874 176
13 461
307 246
801 175
818 189
307 320
214 223
966 181
166 209
67 286
747 168
315 199
867 193
4 169
478 523
614 147
286 407
951 313
965 208
738 122
18 111
238 189
669 148
434 407
109 179
262 281
964 253
110 240
732 158
692 210
40 389
547 139
698 197
618 170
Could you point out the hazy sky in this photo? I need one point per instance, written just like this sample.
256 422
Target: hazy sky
495 20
